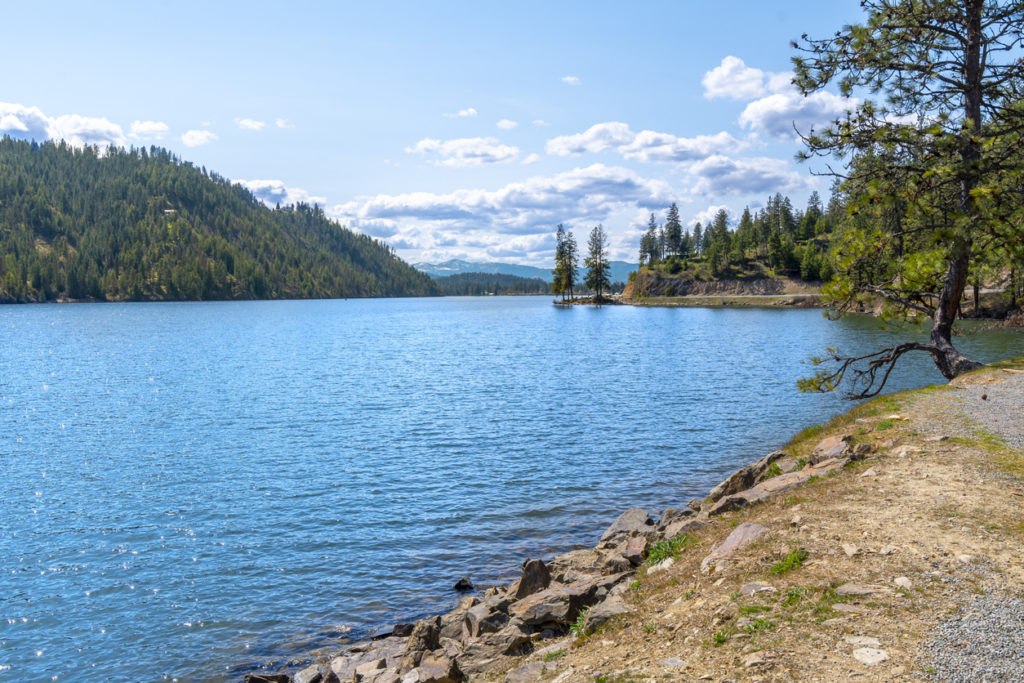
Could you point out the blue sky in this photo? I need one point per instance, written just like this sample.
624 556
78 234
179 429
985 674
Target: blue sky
447 129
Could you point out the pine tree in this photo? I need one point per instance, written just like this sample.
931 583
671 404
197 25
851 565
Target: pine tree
598 268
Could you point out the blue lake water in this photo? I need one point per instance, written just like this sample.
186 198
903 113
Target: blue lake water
189 489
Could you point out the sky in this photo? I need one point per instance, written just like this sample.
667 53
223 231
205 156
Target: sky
446 129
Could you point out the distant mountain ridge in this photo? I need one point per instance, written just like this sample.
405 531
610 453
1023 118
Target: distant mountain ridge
620 270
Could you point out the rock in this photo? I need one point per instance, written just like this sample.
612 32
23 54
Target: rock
426 637
463 585
965 559
754 659
683 526
370 670
860 451
903 582
837 447
862 641
674 662
634 549
560 604
860 590
695 504
869 472
451 623
870 656
756 587
661 566
796 521
887 550
850 549
612 607
402 630
741 536
481 619
527 673
631 522
433 669
774 486
267 678
745 477
586 564
311 674
669 515
534 578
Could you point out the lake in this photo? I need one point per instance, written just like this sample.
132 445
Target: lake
189 489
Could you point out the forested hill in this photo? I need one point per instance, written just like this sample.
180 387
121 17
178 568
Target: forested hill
143 225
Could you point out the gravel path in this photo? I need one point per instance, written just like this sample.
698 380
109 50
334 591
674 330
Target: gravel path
984 643
1002 410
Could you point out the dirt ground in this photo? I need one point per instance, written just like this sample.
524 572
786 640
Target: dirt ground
929 519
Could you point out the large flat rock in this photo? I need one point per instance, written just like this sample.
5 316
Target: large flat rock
774 486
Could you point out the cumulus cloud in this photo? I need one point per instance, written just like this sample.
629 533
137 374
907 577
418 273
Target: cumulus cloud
462 152
249 124
541 123
735 80
274 192
708 215
506 124
776 115
30 123
718 175
283 123
531 159
646 145
468 112
195 138
571 80
529 207
148 130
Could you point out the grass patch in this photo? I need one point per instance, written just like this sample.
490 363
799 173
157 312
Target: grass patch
664 549
885 424
760 626
721 637
579 628
747 610
552 656
794 559
650 627
823 607
794 595
773 471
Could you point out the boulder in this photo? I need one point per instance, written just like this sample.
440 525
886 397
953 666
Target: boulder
311 674
597 615
451 623
741 536
631 522
426 636
534 578
695 504
774 486
634 549
861 590
463 585
560 604
508 641
669 515
527 673
402 630
745 477
684 526
481 619
267 678
836 446
583 564
435 669
370 670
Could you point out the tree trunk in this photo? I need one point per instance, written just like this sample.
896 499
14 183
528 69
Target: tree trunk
951 362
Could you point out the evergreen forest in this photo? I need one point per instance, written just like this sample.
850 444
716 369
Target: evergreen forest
143 225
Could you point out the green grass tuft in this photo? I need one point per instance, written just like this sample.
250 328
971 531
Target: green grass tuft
793 560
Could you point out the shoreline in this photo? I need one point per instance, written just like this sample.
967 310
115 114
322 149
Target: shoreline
526 628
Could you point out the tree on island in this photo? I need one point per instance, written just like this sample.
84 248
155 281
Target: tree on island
566 270
598 268
933 174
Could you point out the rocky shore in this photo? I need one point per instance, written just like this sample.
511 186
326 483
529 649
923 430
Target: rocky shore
823 561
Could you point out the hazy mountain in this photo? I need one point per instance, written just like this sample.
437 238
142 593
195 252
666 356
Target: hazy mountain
620 270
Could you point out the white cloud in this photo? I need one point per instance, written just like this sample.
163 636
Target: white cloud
148 130
273 192
531 159
506 124
777 114
283 123
571 80
195 138
462 152
735 80
646 145
468 112
541 123
30 123
530 207
708 215
249 124
719 175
